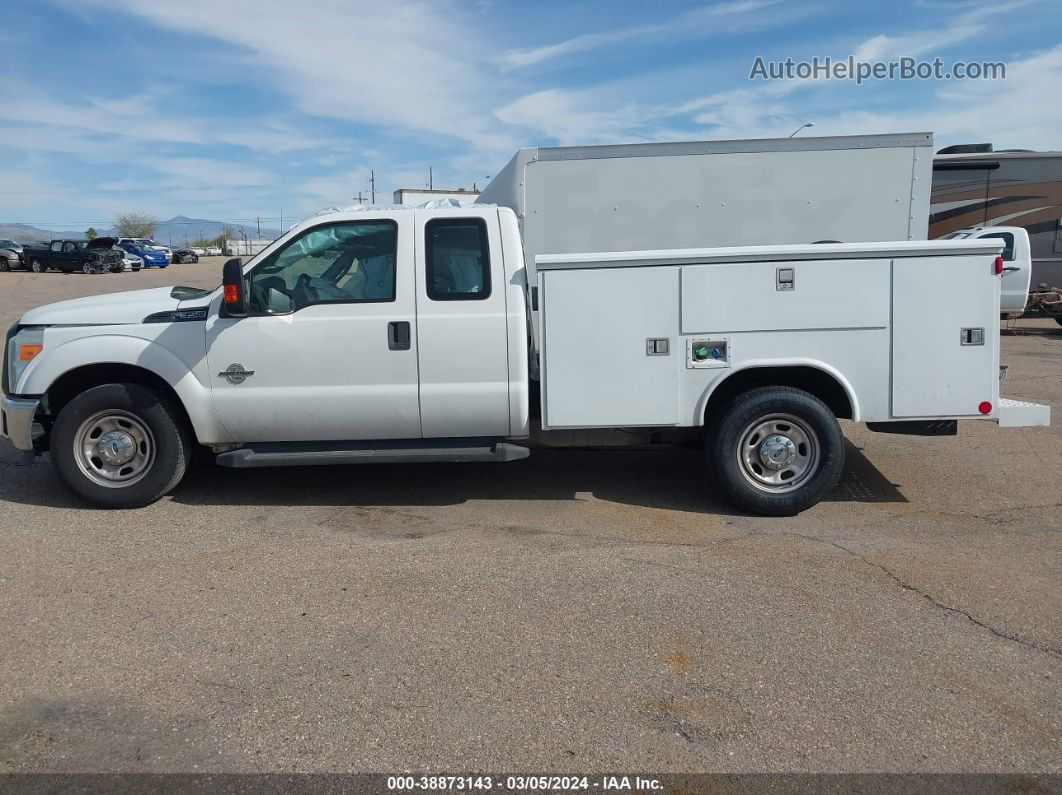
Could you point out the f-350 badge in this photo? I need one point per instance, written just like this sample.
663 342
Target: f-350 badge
235 373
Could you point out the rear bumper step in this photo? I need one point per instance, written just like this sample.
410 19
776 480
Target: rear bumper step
411 451
1019 414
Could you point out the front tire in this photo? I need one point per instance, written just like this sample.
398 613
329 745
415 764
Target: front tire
4 266
1058 319
120 446
775 451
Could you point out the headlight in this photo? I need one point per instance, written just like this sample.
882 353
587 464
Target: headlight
21 350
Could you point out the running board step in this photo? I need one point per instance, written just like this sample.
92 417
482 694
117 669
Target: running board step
406 451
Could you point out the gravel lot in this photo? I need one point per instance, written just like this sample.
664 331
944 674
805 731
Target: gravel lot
576 611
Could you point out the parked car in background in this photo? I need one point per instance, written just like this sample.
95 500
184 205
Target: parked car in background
151 244
213 251
150 255
87 256
130 262
184 255
199 252
11 255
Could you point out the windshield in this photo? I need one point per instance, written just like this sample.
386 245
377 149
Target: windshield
8 244
142 242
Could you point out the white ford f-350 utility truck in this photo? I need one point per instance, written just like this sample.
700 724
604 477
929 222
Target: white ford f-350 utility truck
404 334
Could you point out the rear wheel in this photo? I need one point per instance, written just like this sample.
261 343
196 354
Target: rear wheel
87 268
36 265
120 445
4 266
775 451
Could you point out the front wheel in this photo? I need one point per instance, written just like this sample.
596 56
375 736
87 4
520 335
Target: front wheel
1058 319
120 445
775 451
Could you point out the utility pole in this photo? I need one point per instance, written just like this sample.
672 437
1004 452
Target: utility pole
429 178
372 185
258 218
281 220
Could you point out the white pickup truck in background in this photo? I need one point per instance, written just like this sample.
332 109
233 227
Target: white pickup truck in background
1017 263
406 334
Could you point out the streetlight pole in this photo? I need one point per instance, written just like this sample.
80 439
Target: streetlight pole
801 127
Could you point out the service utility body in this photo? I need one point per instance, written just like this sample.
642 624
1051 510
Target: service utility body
749 301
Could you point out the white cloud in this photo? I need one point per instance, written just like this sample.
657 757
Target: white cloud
405 63
718 18
1016 112
961 27
574 117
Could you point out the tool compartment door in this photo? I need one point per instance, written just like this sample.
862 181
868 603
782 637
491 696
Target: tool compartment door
596 371
936 300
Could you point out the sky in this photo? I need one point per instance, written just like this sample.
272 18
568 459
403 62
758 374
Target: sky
234 110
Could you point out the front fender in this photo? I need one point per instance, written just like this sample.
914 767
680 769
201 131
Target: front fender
61 355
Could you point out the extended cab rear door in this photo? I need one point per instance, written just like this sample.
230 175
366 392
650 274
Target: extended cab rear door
461 324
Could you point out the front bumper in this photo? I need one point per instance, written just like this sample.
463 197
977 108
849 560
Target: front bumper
16 421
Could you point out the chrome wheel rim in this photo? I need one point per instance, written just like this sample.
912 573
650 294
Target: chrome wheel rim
778 453
114 448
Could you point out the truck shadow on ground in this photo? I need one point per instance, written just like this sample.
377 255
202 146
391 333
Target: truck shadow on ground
666 477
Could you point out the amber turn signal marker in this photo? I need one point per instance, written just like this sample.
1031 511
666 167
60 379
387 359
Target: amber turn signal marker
232 294
28 350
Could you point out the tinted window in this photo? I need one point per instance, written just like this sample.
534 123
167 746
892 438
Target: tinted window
1008 244
57 245
458 259
348 262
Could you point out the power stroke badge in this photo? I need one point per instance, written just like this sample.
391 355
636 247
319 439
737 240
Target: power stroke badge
235 373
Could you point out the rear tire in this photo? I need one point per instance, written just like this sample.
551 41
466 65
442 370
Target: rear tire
775 451
37 266
120 445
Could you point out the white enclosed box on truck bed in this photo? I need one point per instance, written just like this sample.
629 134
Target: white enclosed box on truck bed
699 194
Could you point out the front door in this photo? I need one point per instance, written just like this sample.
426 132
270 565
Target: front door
461 321
329 349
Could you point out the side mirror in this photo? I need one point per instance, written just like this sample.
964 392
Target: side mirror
234 289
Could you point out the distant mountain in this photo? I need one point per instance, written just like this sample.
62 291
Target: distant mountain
181 228
24 233
176 230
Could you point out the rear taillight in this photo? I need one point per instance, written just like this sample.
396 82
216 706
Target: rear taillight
985 407
999 265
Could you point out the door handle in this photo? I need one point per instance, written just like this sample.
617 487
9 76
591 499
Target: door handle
398 335
1011 270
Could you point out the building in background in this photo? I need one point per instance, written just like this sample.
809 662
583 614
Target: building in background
410 197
